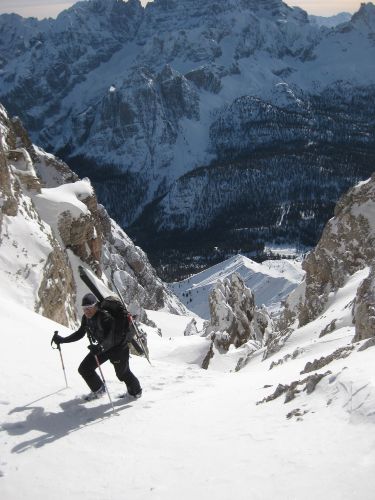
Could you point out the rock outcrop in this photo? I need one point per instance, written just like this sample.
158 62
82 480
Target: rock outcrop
291 390
191 328
129 267
346 246
57 289
364 309
232 310
235 320
206 78
33 264
9 188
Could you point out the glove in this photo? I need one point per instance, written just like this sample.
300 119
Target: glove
95 349
57 339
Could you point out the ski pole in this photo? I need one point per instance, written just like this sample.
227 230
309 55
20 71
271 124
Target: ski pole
105 383
61 357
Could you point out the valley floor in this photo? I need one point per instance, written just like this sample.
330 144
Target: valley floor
194 434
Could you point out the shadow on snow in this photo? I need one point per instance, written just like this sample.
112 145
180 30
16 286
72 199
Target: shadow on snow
74 416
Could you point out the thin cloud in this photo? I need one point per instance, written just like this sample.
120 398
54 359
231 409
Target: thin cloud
20 4
35 8
38 8
326 8
51 8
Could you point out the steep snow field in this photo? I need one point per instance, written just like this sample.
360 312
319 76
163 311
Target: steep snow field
271 282
194 433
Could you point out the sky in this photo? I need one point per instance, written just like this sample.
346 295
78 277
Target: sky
51 8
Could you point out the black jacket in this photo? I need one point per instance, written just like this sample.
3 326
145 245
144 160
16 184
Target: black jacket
100 329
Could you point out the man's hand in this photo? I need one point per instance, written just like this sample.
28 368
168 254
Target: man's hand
57 339
95 349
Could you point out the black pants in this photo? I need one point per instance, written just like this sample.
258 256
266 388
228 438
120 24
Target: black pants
119 357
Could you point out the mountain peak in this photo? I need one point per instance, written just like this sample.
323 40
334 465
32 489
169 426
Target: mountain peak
117 12
100 7
365 15
366 7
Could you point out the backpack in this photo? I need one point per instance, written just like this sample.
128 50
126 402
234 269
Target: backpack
117 310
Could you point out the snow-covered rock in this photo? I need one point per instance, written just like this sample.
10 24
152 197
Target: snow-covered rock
191 328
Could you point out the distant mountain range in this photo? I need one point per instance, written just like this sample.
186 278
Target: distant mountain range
331 21
230 124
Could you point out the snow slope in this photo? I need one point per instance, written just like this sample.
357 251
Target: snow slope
194 433
271 282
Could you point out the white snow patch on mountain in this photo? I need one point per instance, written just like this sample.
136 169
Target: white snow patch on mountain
53 201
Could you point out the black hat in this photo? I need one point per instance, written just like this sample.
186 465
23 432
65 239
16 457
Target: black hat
89 299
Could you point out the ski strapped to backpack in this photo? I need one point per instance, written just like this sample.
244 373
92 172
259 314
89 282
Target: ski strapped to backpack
117 309
132 322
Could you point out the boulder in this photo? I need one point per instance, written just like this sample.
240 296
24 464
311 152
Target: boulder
234 318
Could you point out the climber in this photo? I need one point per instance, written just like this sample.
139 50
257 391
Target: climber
99 325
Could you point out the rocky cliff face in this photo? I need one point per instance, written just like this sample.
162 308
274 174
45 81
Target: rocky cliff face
31 256
344 257
132 272
50 221
346 246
